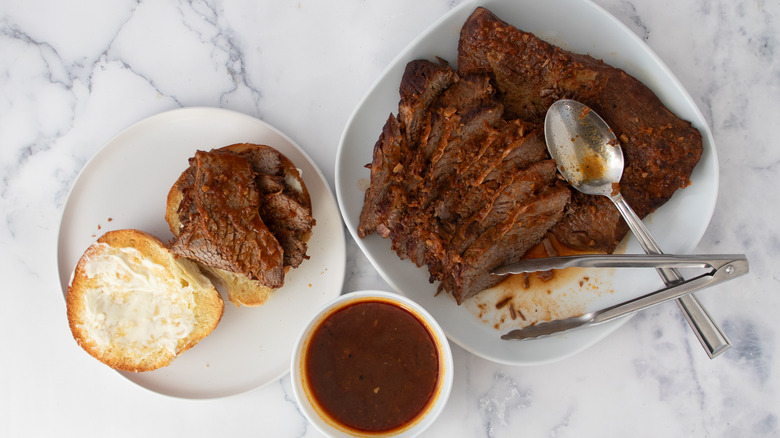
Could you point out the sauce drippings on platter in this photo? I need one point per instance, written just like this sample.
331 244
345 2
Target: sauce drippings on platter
372 366
526 299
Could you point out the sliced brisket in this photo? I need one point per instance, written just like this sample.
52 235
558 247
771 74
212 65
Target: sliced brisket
507 241
660 149
461 182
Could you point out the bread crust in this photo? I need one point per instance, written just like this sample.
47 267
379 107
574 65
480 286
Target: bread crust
183 276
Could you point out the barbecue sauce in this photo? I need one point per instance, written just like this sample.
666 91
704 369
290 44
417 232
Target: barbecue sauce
372 366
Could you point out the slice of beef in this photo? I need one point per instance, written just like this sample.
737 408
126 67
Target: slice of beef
275 172
384 167
187 207
660 149
506 242
422 82
590 224
512 170
523 145
462 146
221 226
520 189
468 110
401 171
470 243
284 204
393 174
507 151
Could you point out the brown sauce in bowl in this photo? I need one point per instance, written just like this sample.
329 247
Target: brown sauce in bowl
372 366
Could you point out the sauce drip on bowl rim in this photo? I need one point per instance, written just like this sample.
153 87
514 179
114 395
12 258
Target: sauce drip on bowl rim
372 366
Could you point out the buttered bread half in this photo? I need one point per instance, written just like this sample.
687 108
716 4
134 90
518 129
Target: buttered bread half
134 306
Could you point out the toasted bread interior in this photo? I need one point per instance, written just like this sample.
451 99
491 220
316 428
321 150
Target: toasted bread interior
134 306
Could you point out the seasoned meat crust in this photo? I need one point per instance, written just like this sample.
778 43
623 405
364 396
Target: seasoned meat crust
660 149
242 209
221 225
450 178
244 213
284 207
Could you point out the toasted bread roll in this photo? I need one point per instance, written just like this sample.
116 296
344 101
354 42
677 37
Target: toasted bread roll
134 306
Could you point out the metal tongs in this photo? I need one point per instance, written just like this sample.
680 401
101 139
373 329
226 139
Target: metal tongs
723 267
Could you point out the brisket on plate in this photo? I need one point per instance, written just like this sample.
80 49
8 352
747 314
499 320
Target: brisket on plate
461 181
660 149
456 187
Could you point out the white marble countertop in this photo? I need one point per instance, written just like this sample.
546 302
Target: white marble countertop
73 74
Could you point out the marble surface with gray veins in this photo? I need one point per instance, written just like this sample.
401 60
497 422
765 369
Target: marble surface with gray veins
73 74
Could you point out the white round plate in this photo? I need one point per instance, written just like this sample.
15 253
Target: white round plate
575 25
125 185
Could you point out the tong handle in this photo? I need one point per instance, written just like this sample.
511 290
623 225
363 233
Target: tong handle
714 261
732 270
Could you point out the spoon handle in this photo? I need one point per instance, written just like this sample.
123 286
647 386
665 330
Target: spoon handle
709 334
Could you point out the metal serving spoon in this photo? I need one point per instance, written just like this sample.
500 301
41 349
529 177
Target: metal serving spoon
589 156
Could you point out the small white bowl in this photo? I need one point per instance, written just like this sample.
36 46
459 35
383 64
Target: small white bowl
330 427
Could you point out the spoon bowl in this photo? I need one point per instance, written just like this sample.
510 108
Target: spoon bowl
584 148
589 157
